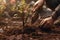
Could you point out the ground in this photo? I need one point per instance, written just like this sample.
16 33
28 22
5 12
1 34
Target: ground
13 29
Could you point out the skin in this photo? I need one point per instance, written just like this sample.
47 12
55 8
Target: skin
48 20
38 5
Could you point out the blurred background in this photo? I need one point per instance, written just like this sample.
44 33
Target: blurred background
15 16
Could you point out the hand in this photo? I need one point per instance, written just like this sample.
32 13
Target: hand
33 10
47 21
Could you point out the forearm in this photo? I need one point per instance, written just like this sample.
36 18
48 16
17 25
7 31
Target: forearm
56 14
38 4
